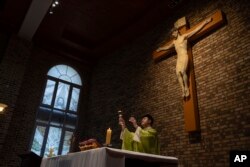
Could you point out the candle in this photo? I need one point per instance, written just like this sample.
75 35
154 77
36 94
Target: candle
108 136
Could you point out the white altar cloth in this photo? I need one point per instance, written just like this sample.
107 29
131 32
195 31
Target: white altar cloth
104 157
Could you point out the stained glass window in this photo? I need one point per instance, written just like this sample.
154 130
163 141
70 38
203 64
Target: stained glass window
74 99
65 73
62 96
38 140
53 140
66 142
57 113
49 90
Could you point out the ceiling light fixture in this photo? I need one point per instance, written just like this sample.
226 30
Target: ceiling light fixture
54 4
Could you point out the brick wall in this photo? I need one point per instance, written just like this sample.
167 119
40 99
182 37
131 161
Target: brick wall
24 76
129 80
12 69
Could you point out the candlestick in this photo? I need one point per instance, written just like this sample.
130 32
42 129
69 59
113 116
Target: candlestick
51 152
108 136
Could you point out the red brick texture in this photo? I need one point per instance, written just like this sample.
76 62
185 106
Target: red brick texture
129 80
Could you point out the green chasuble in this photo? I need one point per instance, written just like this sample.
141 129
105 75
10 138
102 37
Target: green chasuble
143 140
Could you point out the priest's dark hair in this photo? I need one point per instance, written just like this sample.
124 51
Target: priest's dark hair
149 117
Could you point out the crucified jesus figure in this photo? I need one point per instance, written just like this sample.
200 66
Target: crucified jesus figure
180 44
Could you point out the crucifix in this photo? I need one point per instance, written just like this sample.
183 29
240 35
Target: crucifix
184 66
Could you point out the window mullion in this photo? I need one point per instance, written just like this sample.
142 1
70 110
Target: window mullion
61 142
54 95
69 98
45 140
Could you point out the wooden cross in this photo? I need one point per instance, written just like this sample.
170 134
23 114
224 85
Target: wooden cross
191 114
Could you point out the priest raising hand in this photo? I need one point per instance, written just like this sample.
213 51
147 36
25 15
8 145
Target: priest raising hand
144 139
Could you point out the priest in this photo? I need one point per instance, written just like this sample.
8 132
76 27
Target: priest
144 139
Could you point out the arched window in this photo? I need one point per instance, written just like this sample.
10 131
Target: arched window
57 114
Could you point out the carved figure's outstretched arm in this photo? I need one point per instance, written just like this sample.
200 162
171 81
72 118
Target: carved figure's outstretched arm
198 28
168 46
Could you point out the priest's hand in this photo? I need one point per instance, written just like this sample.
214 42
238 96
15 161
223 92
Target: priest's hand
122 123
133 121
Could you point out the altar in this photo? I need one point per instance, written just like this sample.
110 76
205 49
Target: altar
109 157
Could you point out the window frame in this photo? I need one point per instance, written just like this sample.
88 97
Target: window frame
51 107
